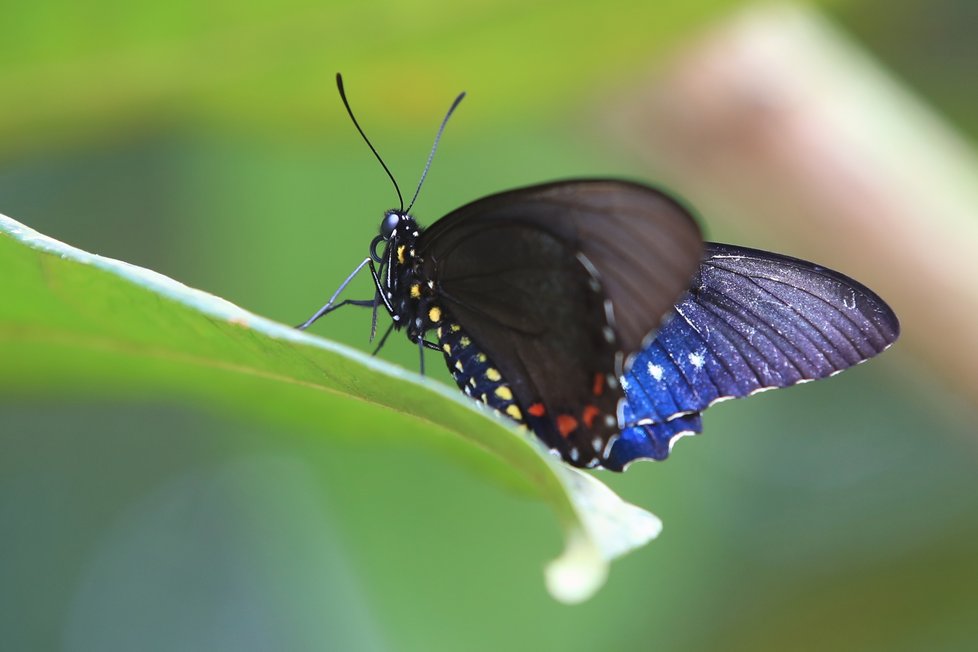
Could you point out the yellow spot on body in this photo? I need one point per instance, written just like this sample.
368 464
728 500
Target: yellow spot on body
472 381
415 291
481 357
400 254
438 331
455 328
434 314
514 412
504 393
493 374
446 347
465 341
458 365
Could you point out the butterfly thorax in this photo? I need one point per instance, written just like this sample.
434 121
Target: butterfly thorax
407 296
412 299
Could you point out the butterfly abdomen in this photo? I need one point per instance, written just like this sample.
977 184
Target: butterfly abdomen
474 372
479 378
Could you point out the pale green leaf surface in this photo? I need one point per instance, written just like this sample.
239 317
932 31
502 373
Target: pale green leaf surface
72 321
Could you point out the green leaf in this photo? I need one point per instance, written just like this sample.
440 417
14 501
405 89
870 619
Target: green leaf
76 322
268 66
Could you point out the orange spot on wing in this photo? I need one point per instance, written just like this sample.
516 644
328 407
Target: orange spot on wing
537 410
598 387
590 412
566 424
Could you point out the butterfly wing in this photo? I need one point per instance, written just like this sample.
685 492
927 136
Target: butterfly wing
556 284
751 321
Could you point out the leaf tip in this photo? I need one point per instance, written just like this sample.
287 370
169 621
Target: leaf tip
607 528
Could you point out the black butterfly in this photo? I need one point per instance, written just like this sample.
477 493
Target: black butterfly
592 312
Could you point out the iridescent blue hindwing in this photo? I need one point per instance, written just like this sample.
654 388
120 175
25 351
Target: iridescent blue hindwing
751 321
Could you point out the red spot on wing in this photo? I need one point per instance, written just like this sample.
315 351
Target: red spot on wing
566 424
598 387
537 409
590 412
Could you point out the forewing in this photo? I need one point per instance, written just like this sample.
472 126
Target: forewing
644 246
558 284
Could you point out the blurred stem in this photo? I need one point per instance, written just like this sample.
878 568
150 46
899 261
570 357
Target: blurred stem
779 125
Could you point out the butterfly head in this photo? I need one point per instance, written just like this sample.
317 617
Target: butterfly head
397 229
388 226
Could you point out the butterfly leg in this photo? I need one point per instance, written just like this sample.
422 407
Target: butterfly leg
380 285
330 306
383 339
421 344
373 321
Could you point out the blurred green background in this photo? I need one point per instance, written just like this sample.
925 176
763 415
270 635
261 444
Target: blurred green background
206 141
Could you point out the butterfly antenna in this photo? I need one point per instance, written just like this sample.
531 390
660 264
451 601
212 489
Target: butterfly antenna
434 147
339 85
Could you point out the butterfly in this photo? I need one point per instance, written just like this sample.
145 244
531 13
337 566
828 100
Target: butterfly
592 312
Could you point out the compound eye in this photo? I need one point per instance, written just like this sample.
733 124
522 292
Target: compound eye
391 220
